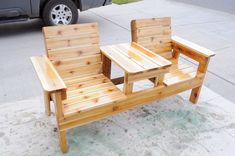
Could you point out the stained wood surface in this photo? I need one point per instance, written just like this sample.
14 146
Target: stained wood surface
50 79
134 58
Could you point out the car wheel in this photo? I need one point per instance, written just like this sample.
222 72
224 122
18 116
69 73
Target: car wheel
60 12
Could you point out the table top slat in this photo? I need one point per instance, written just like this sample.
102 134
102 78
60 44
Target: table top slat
150 58
136 57
133 58
151 55
122 61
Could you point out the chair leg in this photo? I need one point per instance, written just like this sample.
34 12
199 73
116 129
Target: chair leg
195 94
63 141
47 100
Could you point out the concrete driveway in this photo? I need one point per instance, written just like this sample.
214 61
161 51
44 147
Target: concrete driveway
224 5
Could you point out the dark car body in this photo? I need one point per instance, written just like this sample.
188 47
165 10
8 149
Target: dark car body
25 9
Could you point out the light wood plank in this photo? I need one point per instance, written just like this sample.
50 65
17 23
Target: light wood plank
76 62
153 34
180 78
70 30
164 21
63 141
196 49
136 56
122 61
86 90
180 72
75 51
75 80
82 70
106 66
154 39
59 43
92 104
151 56
90 96
153 31
50 79
91 82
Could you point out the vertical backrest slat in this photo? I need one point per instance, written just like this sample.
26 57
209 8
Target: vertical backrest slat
74 49
154 34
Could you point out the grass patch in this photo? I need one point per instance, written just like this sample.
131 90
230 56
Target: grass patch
124 1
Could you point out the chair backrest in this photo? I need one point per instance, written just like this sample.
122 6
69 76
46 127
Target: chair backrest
74 49
154 34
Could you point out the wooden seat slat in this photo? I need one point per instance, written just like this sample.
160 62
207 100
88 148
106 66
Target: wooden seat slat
179 72
87 83
89 89
89 92
74 80
178 66
180 78
72 100
92 104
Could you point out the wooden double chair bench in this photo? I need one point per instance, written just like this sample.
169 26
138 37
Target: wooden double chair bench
75 72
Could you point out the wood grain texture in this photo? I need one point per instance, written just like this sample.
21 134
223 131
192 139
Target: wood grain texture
47 100
138 63
196 49
133 100
50 79
106 68
90 92
77 76
134 58
153 33
74 49
63 141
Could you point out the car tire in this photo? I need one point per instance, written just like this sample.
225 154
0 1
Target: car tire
60 12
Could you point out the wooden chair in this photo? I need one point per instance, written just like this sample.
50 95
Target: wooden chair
155 35
71 74
76 76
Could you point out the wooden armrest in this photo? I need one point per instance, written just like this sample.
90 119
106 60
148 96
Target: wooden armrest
50 79
191 48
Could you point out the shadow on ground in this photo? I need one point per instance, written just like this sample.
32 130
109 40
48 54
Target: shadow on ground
19 28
